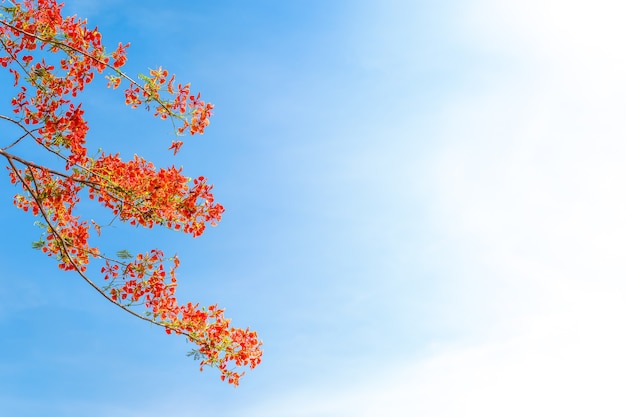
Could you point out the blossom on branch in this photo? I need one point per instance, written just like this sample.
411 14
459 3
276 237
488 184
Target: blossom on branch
52 58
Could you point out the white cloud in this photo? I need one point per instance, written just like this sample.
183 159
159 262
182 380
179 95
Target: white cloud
564 363
528 184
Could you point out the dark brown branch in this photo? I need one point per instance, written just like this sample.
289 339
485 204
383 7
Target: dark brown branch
29 164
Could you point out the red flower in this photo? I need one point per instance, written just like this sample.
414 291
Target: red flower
46 108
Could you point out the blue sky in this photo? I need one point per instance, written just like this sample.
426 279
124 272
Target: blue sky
424 215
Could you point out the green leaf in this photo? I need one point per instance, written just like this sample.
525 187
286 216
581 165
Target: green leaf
196 355
124 254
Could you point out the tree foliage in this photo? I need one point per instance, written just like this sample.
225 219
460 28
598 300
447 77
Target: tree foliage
50 58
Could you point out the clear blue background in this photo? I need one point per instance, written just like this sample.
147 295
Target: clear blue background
424 215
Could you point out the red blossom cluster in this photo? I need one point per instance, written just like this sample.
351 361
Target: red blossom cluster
146 281
140 194
51 59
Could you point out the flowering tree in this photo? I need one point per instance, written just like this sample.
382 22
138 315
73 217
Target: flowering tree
50 59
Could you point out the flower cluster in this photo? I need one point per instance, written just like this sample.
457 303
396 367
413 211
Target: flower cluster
54 197
51 58
146 281
139 193
173 100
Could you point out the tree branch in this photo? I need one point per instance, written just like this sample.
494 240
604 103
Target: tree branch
87 55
